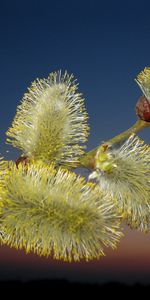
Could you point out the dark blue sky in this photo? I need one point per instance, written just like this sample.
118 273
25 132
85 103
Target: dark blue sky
104 43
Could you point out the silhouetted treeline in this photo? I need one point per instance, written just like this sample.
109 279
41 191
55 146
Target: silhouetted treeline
58 285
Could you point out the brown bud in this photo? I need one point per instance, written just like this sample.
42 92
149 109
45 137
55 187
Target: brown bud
143 109
22 159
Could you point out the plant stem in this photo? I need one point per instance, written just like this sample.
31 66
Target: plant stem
88 159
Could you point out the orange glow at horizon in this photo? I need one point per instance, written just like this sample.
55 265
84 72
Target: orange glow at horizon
132 254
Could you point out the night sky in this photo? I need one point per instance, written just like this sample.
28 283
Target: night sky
105 44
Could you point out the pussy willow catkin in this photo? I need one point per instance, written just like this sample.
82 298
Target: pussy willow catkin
128 180
56 213
51 122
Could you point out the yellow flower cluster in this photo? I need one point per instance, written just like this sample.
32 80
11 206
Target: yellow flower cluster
44 206
56 213
51 122
128 180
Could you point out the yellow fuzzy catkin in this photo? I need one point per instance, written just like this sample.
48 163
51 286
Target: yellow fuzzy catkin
51 122
143 80
129 181
56 213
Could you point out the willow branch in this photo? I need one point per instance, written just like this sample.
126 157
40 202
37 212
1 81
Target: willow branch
88 159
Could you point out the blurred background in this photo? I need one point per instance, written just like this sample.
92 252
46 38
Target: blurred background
105 44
